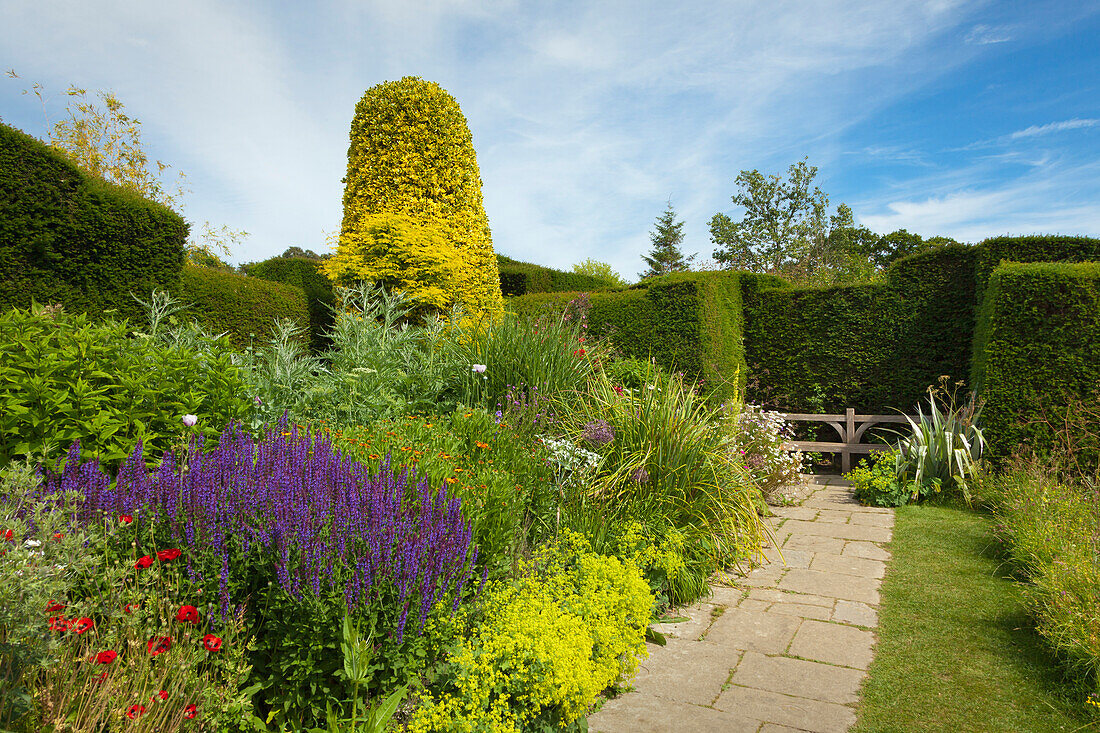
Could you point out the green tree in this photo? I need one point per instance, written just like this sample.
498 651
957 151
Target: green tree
666 257
595 268
785 228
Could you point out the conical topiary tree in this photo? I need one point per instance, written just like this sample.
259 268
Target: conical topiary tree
413 215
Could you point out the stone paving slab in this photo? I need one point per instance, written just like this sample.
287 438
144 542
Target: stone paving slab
798 677
685 671
782 648
833 644
636 713
848 565
834 585
797 712
756 631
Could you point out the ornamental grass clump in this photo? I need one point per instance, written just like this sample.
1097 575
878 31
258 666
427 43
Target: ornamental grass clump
669 465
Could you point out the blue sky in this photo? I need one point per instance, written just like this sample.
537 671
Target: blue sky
945 117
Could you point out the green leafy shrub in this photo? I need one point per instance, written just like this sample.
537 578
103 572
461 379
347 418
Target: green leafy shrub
72 239
875 481
64 379
302 272
543 646
412 201
243 308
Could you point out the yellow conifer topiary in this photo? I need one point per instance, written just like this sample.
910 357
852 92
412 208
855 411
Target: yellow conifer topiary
413 214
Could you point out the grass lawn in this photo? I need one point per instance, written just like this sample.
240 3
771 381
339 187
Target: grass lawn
956 651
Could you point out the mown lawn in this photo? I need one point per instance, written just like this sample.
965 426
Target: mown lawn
956 651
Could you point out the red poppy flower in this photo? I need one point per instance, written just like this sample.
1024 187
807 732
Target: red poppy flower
100 678
125 518
82 624
159 645
162 695
131 607
54 606
190 711
166 555
106 657
188 613
212 643
8 535
59 623
135 711
57 536
143 562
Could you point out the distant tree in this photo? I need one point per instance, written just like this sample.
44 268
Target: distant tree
309 254
666 257
595 268
785 227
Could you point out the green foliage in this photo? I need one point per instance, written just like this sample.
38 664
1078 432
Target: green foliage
838 341
785 226
377 366
1037 248
666 257
942 451
1037 336
55 568
72 239
64 378
302 272
498 474
411 165
551 356
543 646
245 309
522 278
875 481
597 269
1050 525
670 465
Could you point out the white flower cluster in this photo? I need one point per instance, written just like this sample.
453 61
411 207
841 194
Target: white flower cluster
762 437
569 457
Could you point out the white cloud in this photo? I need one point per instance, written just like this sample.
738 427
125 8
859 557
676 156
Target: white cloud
1036 130
983 35
586 117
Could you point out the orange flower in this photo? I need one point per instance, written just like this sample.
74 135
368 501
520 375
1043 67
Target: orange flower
452 480
479 444
373 457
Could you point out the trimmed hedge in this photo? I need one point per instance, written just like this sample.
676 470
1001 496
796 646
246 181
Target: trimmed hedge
245 308
1039 333
824 349
522 278
688 322
304 273
69 238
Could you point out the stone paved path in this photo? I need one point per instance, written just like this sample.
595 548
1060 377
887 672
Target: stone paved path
785 648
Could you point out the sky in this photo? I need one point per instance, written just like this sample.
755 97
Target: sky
959 118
